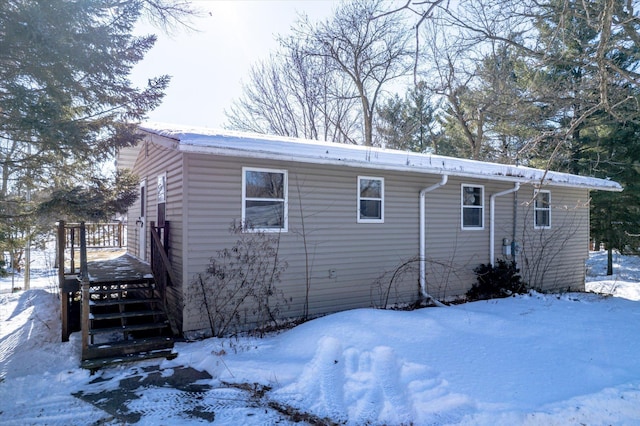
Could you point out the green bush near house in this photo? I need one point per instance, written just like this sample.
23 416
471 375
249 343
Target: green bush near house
501 280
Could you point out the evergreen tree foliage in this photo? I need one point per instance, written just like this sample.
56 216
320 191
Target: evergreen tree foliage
612 150
96 200
67 105
555 86
597 108
409 124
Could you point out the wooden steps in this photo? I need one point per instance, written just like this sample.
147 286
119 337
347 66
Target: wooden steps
97 363
128 347
126 321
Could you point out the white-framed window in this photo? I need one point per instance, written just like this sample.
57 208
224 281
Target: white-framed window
472 206
264 199
370 199
541 209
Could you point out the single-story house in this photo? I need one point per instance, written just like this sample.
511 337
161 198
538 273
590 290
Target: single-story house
357 226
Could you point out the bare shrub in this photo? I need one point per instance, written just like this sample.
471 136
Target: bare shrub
387 285
389 289
239 287
544 251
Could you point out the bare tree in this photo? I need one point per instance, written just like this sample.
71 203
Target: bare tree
293 94
327 77
364 47
266 105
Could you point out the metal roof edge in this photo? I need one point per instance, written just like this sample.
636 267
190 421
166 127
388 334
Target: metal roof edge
238 144
238 152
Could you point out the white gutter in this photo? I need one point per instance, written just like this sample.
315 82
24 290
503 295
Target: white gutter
492 208
423 247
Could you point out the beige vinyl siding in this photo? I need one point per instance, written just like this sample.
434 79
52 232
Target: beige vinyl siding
359 253
554 259
350 263
127 156
151 162
452 252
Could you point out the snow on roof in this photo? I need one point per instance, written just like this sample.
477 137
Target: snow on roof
230 143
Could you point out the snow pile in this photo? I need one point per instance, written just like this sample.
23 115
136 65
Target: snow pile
516 360
528 360
371 387
37 371
623 282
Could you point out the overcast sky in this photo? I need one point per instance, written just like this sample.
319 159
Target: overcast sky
208 66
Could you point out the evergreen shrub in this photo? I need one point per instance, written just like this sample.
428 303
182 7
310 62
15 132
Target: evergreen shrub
498 281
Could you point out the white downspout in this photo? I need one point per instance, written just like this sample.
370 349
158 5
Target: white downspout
423 247
492 231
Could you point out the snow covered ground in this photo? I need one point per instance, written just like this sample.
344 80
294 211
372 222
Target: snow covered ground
538 359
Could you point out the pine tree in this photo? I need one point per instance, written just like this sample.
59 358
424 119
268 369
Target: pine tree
612 151
66 101
409 124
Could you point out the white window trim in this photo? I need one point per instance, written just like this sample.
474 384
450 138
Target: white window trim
358 218
536 209
285 227
462 207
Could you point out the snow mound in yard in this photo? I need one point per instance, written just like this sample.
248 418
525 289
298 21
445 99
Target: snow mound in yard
37 371
371 387
31 328
534 359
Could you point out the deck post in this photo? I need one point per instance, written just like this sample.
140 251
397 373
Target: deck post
72 253
165 237
152 226
84 274
64 296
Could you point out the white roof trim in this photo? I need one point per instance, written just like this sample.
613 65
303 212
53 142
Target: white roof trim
230 143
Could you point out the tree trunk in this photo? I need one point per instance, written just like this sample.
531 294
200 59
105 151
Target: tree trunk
609 260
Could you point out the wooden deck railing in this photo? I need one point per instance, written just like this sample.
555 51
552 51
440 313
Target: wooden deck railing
97 235
161 266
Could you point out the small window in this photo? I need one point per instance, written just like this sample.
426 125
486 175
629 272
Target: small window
370 199
162 188
264 199
162 199
542 210
472 207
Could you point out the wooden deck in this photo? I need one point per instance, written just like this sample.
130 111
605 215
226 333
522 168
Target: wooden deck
105 265
120 266
112 297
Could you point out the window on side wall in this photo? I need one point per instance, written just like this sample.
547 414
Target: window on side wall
542 210
370 199
264 199
472 205
162 199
